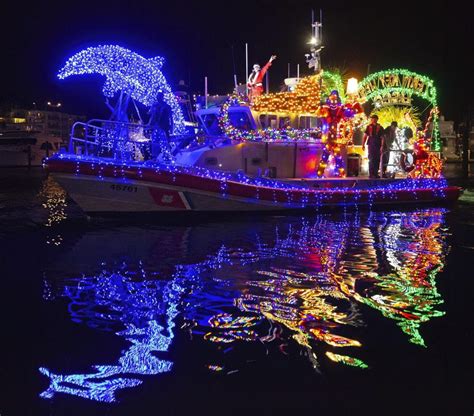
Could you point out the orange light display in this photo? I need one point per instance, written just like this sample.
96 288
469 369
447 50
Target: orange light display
303 100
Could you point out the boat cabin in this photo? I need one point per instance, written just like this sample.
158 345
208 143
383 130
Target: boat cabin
281 158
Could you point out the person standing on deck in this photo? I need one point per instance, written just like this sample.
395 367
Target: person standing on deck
390 136
161 115
255 81
374 137
161 122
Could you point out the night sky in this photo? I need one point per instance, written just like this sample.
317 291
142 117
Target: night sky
197 39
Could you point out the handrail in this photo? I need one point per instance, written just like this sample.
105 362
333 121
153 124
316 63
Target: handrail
120 139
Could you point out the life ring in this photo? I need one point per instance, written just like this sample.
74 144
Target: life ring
407 160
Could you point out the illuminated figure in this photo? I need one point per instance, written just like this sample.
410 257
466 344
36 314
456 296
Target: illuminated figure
131 75
426 163
313 59
335 117
255 81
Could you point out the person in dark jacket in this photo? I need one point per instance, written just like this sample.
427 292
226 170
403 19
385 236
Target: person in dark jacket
390 136
374 138
161 115
161 123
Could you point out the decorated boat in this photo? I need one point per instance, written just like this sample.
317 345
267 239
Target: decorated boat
250 151
102 187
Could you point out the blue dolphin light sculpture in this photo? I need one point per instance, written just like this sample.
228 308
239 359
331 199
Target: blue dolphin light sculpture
126 72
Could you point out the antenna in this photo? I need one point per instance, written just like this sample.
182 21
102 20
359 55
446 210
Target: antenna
321 25
233 65
246 69
313 59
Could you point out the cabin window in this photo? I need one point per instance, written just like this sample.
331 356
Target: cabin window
240 120
308 122
284 122
268 120
211 123
210 161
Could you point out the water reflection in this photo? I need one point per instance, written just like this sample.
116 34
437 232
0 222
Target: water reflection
304 287
53 199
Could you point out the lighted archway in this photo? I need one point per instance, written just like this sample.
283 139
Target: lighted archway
396 87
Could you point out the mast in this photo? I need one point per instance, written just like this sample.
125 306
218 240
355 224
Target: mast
313 59
246 69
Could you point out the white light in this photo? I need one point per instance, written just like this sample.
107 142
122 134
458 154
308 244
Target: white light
352 86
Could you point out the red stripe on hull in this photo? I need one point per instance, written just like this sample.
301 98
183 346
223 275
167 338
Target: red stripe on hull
167 198
306 197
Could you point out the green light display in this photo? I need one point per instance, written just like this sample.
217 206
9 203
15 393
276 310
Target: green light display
397 87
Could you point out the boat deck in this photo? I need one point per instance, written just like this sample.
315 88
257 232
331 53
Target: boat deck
353 182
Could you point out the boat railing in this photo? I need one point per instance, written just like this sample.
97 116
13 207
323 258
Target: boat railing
124 140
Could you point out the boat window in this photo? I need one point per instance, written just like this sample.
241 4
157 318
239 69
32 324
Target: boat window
211 123
284 122
308 122
240 120
211 161
268 120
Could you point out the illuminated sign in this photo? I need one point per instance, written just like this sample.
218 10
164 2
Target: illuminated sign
396 86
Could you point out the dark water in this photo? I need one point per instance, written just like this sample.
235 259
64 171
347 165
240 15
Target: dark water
344 313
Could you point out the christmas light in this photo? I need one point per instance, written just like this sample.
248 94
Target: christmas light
259 188
332 81
403 252
353 362
128 72
304 99
352 86
402 80
404 84
266 135
337 131
427 164
139 303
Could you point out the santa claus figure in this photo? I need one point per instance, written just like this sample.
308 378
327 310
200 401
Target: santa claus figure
255 81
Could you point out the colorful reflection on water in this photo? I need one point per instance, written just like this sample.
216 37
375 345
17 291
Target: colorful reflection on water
306 290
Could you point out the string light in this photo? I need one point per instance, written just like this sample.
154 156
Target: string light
337 131
258 188
128 72
405 83
266 135
304 99
427 164
315 303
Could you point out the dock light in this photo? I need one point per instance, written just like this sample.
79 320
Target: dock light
352 86
312 41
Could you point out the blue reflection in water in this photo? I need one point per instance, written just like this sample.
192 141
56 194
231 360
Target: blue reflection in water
136 304
306 286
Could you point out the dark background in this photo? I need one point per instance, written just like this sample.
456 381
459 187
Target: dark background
197 39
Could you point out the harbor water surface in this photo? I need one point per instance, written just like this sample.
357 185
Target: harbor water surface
330 313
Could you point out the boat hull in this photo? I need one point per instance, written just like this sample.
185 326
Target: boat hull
102 189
